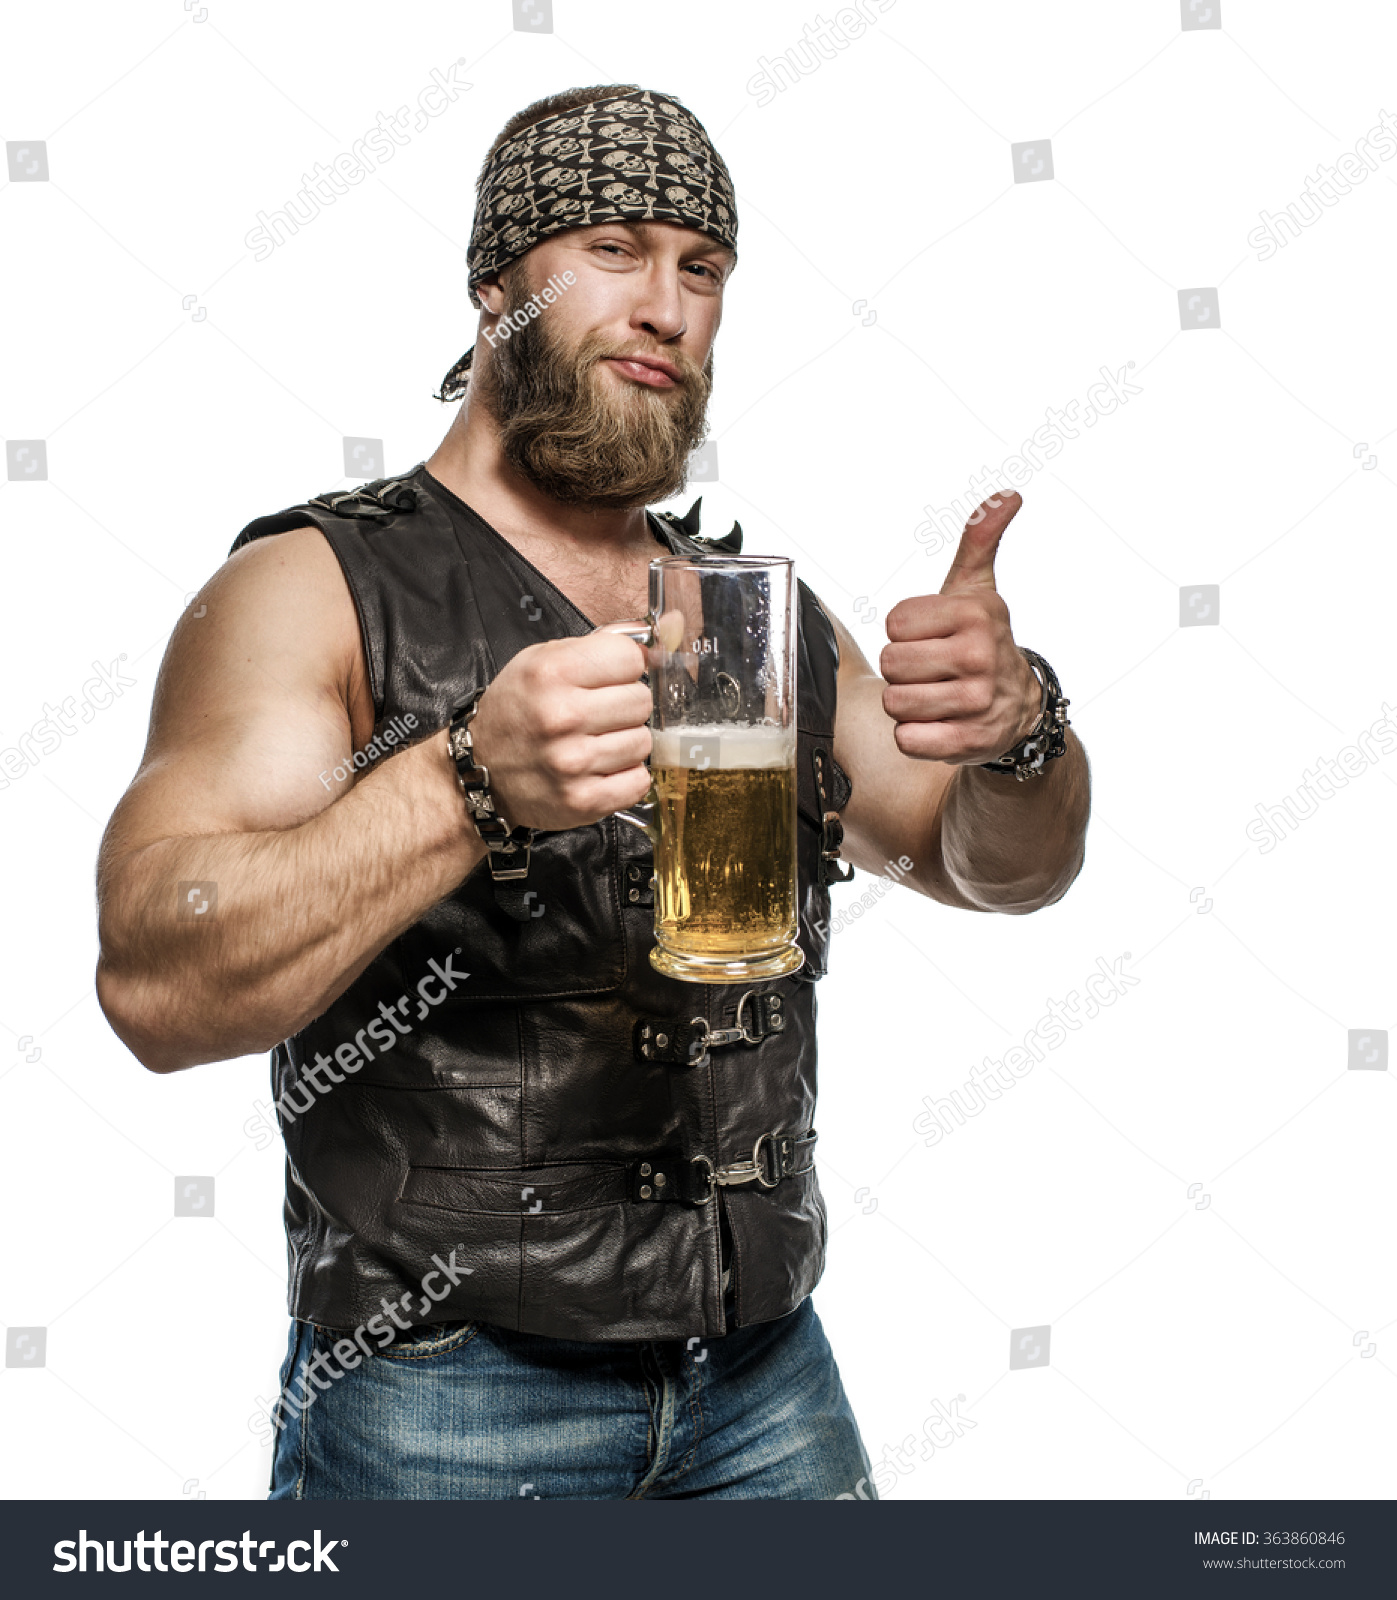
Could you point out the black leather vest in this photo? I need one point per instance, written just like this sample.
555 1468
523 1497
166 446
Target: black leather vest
545 1117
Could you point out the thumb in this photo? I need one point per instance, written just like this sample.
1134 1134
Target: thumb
668 629
973 566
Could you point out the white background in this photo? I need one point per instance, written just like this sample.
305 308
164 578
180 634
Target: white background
1246 1346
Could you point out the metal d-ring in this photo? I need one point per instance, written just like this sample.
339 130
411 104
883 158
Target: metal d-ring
741 1034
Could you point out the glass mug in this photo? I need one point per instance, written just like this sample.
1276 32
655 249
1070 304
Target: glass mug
721 808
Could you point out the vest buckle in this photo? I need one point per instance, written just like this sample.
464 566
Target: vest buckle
752 1170
686 1041
663 1176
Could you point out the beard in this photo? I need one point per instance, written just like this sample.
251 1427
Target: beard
577 436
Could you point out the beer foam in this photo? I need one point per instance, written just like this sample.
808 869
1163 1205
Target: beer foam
723 746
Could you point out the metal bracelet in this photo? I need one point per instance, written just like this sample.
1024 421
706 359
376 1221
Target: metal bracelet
473 780
1047 739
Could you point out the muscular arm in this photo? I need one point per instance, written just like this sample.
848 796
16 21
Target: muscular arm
977 840
255 700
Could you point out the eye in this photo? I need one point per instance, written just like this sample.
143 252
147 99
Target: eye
703 268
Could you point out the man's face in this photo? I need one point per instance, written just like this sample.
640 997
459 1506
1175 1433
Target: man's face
601 399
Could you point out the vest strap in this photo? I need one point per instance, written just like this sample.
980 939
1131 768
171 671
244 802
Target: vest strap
833 797
668 1177
685 1041
379 498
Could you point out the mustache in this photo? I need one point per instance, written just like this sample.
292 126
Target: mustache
586 440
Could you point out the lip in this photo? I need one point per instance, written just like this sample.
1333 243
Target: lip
652 370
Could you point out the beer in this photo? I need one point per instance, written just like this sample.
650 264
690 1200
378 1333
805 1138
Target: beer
725 864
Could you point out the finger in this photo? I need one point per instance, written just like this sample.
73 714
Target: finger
932 741
601 658
973 566
669 629
955 700
613 753
930 616
613 708
961 655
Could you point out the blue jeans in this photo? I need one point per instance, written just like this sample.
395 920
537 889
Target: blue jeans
471 1411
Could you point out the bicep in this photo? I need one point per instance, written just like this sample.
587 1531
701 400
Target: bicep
250 715
896 802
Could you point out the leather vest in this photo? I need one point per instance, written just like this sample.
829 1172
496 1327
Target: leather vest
511 1086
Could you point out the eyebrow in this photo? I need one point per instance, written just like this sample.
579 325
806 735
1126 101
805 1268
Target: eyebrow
710 247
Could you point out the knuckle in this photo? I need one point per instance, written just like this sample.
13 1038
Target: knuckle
979 656
570 758
555 718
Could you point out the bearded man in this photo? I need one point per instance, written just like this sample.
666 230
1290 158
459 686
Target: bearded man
374 832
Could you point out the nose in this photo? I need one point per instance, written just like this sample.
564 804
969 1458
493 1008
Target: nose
660 309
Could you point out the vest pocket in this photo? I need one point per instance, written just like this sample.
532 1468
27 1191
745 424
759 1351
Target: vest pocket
562 1252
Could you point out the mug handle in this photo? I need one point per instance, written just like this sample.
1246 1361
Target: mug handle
642 813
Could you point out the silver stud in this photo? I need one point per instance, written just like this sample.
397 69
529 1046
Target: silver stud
659 1180
633 895
662 1039
645 1191
776 1002
645 1169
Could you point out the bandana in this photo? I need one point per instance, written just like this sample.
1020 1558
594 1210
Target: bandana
632 158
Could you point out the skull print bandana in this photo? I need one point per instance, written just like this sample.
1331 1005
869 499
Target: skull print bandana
638 157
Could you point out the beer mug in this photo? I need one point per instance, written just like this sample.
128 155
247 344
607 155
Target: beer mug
721 808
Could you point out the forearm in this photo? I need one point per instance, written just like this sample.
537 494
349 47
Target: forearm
299 913
1013 846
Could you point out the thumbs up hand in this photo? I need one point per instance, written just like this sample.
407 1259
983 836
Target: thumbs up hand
958 688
